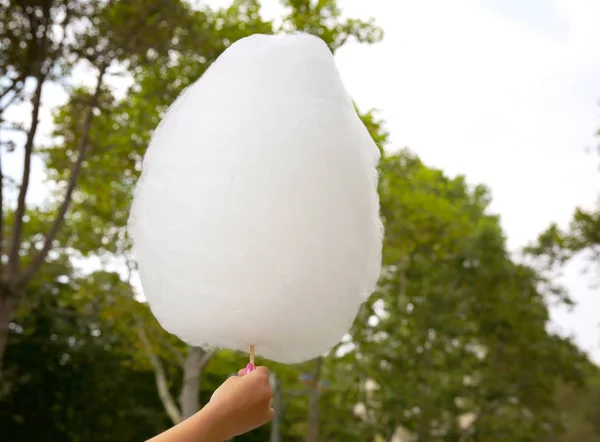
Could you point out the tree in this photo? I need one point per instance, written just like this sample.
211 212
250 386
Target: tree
66 376
120 135
580 408
553 249
443 350
44 41
557 246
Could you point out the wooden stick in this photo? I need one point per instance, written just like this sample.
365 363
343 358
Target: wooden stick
252 354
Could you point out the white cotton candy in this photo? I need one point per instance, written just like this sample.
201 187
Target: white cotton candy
256 218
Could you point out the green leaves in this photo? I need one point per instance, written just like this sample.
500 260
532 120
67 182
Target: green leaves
163 61
453 346
456 323
324 19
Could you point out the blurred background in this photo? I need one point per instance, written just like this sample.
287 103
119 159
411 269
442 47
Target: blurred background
485 323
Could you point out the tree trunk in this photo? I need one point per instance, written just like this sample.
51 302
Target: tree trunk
13 259
7 304
189 398
313 404
160 377
276 424
83 148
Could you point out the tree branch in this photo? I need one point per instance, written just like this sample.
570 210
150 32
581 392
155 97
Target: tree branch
174 350
161 378
13 263
39 259
1 211
160 337
14 128
16 84
17 93
205 358
189 401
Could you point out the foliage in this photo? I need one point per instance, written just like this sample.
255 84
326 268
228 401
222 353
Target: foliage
66 377
580 411
119 136
556 246
453 346
455 316
44 41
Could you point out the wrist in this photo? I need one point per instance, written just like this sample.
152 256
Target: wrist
212 420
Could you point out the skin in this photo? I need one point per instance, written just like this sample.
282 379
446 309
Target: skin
241 404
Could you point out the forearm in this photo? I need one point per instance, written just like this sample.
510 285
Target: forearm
204 426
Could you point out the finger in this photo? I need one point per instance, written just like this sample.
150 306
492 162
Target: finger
261 372
242 372
270 414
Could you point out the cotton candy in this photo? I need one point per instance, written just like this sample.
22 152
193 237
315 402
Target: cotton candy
256 217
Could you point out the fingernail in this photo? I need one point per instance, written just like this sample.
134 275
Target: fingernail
249 368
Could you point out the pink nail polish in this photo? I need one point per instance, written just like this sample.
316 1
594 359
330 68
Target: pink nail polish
249 368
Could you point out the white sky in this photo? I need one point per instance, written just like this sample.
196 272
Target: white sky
506 92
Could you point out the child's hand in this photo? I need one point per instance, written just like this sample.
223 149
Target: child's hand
243 402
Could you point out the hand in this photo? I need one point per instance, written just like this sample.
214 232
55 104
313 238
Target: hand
243 402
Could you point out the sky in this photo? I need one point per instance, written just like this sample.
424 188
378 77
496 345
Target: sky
506 92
